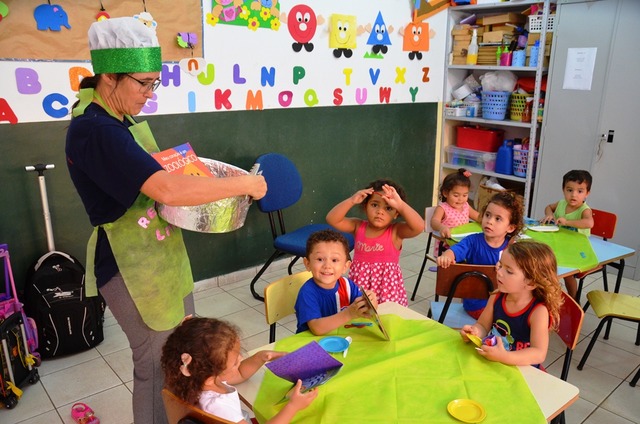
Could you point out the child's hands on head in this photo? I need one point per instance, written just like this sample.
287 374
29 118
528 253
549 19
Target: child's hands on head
391 196
300 400
360 195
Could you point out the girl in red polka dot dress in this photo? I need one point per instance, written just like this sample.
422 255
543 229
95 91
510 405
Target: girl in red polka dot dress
378 239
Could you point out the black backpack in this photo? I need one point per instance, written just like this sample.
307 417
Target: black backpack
54 296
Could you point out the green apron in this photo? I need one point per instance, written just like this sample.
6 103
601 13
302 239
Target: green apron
150 252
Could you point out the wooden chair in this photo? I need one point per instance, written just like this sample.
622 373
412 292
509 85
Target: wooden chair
607 306
280 299
604 226
179 411
461 281
428 214
571 318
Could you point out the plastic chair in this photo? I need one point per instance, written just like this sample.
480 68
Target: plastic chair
280 299
428 213
179 411
604 226
571 318
635 378
284 190
607 306
460 281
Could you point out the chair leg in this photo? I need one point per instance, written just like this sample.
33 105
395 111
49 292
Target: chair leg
605 282
262 270
424 263
272 333
559 419
566 365
579 292
594 338
635 378
291 264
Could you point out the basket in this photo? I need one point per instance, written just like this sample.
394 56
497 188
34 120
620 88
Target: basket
535 23
494 104
221 216
520 156
516 107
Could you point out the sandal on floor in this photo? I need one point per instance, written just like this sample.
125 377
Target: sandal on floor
83 414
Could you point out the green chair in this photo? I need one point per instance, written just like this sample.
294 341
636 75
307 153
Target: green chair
607 306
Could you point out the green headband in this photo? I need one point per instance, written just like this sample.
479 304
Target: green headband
126 60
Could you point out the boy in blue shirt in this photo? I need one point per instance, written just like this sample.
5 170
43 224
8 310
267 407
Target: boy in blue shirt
329 300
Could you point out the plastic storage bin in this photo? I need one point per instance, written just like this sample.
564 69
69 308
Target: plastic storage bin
471 158
479 138
495 104
535 23
520 161
518 102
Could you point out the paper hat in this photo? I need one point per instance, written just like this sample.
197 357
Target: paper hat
123 46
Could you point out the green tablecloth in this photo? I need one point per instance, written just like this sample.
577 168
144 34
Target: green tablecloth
572 249
409 379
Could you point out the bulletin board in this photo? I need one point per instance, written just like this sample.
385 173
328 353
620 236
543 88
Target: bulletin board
249 55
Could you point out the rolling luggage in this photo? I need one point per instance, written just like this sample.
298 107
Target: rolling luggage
18 342
54 295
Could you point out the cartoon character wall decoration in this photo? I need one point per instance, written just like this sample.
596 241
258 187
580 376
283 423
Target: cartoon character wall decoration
415 39
302 23
187 40
266 4
226 10
4 10
146 18
379 39
342 35
51 17
102 14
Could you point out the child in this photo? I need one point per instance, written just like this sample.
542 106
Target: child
378 239
201 361
454 209
524 307
328 300
501 220
572 212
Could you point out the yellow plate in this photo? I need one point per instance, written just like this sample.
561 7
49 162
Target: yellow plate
475 339
466 410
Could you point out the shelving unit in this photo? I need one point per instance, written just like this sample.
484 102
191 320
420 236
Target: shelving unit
455 74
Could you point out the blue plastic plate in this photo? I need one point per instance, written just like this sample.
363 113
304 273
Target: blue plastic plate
333 344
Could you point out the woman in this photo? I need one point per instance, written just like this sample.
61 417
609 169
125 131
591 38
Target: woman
139 261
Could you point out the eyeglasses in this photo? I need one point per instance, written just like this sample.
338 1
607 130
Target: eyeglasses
146 86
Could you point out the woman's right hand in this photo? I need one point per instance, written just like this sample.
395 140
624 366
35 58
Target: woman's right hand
257 186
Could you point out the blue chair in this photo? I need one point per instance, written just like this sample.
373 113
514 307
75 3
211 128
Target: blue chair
284 189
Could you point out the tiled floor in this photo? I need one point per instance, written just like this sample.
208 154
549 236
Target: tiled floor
102 377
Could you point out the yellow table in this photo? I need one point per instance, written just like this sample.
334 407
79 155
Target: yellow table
551 394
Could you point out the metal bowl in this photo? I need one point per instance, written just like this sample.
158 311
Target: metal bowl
221 216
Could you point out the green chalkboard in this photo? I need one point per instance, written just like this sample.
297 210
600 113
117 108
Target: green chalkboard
337 150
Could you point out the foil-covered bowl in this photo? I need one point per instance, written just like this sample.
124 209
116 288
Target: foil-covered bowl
221 216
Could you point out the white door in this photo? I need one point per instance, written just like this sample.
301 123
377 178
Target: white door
577 122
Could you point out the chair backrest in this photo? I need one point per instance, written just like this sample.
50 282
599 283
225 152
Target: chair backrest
604 224
466 281
428 214
283 181
177 409
280 296
571 318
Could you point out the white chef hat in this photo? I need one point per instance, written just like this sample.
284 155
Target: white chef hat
123 45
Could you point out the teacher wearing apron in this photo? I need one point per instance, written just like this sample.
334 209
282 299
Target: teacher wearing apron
135 259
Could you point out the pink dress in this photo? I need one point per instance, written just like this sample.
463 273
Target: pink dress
376 266
452 218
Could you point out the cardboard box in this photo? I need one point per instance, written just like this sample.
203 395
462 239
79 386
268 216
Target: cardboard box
503 18
495 36
535 36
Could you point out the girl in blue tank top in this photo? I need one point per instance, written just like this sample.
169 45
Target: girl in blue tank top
515 324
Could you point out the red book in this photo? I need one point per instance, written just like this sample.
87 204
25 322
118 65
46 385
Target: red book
182 160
